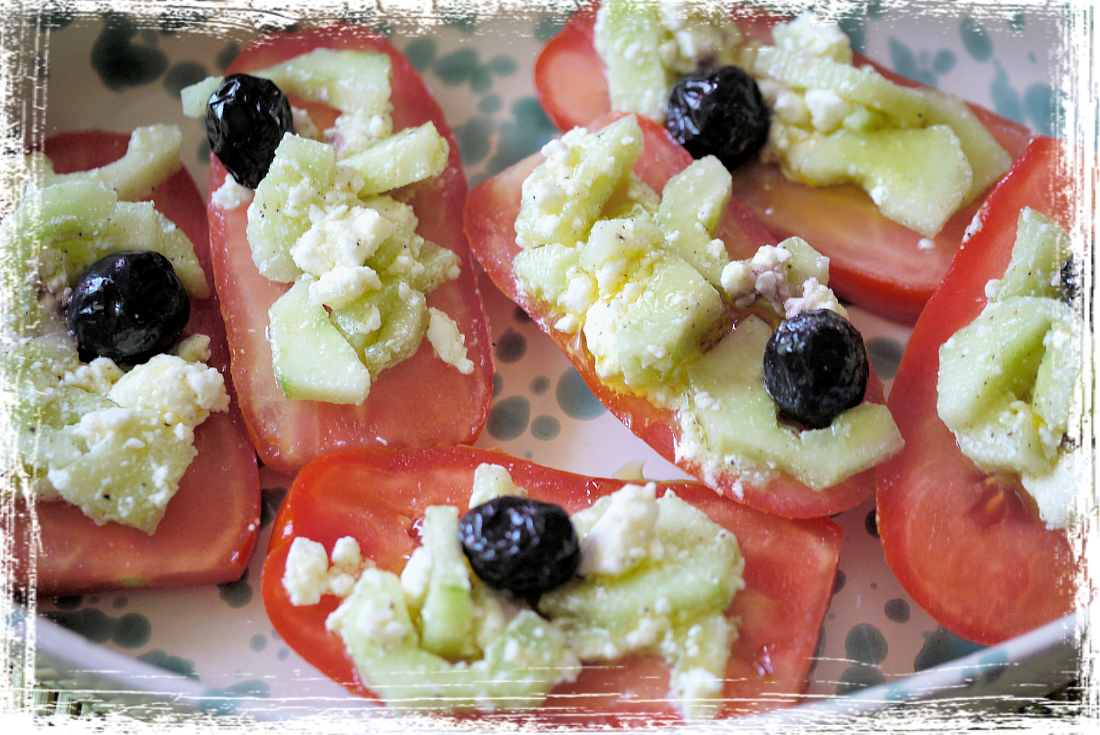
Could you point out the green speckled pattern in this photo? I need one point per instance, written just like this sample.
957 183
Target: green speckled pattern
113 70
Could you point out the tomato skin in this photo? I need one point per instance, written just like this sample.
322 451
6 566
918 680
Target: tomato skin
875 262
378 497
450 408
966 544
210 528
490 226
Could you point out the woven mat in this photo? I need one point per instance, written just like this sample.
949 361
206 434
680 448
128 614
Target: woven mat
28 708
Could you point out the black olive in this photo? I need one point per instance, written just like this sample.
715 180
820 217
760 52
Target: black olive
815 367
246 119
524 546
719 112
128 306
1080 284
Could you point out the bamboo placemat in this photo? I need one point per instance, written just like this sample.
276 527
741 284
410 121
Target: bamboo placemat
28 708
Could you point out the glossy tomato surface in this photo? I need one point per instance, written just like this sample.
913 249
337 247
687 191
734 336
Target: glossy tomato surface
490 226
420 402
210 527
966 544
379 496
874 262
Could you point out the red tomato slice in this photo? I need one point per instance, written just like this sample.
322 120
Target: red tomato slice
210 528
968 545
875 262
379 496
420 402
491 212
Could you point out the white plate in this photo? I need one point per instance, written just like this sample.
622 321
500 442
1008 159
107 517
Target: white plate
213 648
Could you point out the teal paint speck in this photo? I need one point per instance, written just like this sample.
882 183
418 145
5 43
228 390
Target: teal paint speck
508 418
178 19
976 39
906 63
225 57
119 602
40 66
474 139
93 624
575 399
11 142
866 644
503 66
871 523
236 594
545 428
519 138
457 67
540 385
855 27
1018 21
944 61
490 103
481 79
176 664
283 654
877 9
219 704
857 678
252 688
548 27
839 582
900 701
1042 107
258 642
421 53
353 13
1081 18
521 316
1006 101
897 610
1088 121
132 631
53 14
121 63
498 384
69 602
461 14
511 347
940 646
885 355
183 75
271 500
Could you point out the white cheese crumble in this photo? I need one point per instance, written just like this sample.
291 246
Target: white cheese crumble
448 342
231 195
341 236
493 481
623 535
182 391
309 576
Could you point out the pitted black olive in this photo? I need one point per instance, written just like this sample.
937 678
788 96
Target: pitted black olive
719 112
246 119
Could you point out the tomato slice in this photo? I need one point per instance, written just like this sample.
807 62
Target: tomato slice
964 543
420 402
211 524
874 262
379 496
491 212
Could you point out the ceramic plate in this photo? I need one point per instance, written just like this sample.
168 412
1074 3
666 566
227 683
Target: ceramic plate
213 648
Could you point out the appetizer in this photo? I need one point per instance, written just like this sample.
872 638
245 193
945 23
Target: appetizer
347 287
981 514
880 174
464 580
665 294
114 352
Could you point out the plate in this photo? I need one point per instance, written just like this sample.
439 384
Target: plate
212 648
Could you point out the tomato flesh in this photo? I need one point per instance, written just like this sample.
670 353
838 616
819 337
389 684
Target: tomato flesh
379 496
211 524
491 212
967 545
420 402
874 262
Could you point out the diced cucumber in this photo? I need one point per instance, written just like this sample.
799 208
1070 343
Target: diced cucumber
345 79
1007 378
152 155
628 37
805 263
616 248
738 418
195 97
667 323
631 199
918 177
691 205
988 160
563 197
412 155
906 107
446 616
310 357
384 327
547 271
517 669
1041 248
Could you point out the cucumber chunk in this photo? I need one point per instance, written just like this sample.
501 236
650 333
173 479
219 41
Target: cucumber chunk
629 36
412 155
446 616
691 205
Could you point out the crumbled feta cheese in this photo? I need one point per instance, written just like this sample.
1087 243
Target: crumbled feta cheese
305 577
448 342
344 284
492 481
342 236
182 391
623 535
231 195
827 109
811 36
303 124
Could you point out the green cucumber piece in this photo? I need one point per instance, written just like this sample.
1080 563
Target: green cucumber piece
447 614
345 79
412 155
629 36
311 358
691 205
1041 248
